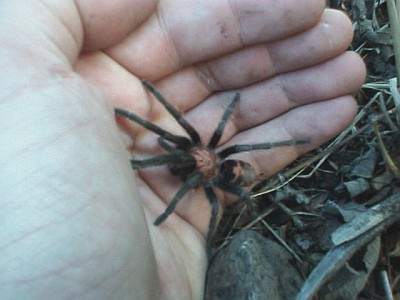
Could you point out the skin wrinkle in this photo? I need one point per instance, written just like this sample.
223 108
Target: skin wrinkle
272 63
225 28
104 19
239 25
207 77
169 39
291 103
78 40
235 12
59 270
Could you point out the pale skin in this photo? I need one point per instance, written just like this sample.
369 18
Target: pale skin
76 221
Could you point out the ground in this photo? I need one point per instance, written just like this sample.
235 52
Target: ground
352 180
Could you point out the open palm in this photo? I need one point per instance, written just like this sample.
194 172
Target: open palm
77 221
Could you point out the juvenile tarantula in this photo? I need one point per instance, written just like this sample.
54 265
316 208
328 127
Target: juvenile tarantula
198 164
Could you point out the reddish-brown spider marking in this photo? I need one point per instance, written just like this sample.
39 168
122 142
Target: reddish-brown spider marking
237 173
206 161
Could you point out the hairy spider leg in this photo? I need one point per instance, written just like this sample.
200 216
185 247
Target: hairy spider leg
174 112
160 160
163 143
212 197
241 193
192 181
232 189
176 139
263 146
222 123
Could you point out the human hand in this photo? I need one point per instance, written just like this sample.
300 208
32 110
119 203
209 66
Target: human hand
75 220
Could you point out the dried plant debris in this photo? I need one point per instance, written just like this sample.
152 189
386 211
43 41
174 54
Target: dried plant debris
364 165
336 278
372 38
336 212
386 212
348 239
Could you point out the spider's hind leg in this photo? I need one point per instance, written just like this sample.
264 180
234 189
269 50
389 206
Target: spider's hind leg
241 193
213 220
192 181
212 197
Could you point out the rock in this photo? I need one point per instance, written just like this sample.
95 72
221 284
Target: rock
252 267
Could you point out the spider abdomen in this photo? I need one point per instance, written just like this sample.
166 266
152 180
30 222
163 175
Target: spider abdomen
237 173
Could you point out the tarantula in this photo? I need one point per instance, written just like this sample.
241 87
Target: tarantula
198 164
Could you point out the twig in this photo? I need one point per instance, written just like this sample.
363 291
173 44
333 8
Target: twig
388 160
395 31
386 285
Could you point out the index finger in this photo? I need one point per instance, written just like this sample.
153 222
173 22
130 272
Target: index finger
181 33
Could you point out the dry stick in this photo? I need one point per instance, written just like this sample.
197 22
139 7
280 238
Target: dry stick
323 156
284 244
398 7
388 160
396 96
386 285
296 170
385 113
269 228
395 31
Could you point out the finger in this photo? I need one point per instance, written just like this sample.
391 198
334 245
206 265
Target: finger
54 39
57 30
267 100
182 32
108 22
316 122
329 38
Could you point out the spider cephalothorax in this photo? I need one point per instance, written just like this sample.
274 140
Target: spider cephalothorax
198 164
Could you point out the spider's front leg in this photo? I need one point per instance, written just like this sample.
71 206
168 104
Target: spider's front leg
176 139
194 136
